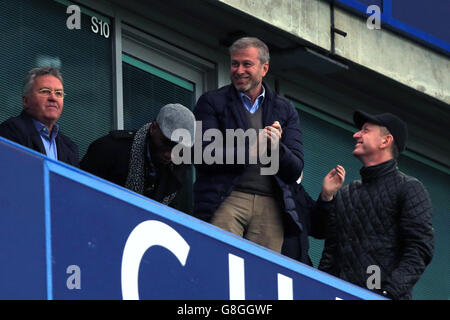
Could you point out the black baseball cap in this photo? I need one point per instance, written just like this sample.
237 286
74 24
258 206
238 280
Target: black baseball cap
396 126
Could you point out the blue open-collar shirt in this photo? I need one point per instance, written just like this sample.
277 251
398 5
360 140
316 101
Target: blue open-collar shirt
48 140
247 102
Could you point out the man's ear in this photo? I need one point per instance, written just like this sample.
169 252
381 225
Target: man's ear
153 126
387 141
25 102
150 129
265 68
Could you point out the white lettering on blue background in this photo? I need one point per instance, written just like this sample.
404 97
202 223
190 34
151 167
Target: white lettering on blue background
145 235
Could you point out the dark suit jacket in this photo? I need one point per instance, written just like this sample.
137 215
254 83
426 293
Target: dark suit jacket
21 130
313 219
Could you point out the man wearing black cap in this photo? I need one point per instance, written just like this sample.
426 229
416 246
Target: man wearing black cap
379 228
141 160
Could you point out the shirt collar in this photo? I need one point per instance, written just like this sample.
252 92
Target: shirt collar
43 130
261 96
379 170
247 101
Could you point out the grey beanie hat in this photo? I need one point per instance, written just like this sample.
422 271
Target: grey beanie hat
176 116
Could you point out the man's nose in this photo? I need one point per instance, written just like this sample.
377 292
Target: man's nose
357 135
239 69
52 96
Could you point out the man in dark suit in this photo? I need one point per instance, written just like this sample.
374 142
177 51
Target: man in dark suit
239 197
142 160
35 127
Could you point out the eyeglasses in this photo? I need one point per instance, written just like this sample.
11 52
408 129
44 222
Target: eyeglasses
48 92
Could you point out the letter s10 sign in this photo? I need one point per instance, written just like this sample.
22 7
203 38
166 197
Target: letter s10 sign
100 26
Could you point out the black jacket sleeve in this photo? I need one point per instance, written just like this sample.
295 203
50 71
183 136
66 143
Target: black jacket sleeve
291 148
417 239
320 218
18 130
324 221
99 160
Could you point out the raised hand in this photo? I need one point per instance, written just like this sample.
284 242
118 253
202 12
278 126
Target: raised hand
277 126
268 138
332 182
273 134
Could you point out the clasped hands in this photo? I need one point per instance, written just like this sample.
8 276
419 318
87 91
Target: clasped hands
268 138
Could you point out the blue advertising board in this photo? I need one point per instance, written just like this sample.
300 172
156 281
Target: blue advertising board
66 234
424 21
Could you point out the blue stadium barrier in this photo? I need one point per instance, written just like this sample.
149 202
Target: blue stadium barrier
66 234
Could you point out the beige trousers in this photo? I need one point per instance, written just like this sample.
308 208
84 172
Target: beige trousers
254 217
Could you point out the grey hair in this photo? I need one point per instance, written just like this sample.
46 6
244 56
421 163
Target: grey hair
37 72
246 42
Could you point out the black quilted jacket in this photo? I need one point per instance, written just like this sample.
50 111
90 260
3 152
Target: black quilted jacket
383 220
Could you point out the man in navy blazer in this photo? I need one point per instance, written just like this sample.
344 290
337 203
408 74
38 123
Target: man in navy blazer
35 127
236 196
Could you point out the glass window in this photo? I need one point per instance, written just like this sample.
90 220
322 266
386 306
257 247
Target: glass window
146 89
35 33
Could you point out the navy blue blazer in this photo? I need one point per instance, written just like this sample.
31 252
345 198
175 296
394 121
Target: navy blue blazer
21 130
313 217
222 109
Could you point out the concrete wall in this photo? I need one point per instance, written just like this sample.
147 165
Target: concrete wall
383 51
307 19
393 56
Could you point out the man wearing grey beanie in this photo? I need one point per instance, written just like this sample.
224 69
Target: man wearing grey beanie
141 160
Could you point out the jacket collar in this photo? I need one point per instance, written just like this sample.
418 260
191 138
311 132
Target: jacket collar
35 141
238 109
379 170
